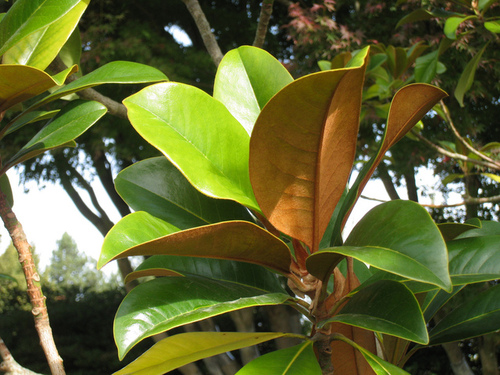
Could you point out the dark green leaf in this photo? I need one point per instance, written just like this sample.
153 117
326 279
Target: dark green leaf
169 302
6 189
476 317
157 187
467 77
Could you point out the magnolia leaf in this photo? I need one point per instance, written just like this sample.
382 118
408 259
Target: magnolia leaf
233 240
206 142
494 177
169 302
436 299
71 51
219 269
450 231
385 306
297 360
478 316
426 67
493 26
377 364
74 119
451 25
483 228
179 350
6 189
29 118
19 83
302 149
467 76
41 47
247 77
157 187
474 259
26 17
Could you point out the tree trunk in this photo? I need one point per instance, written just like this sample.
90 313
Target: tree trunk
471 188
487 353
411 185
457 359
284 319
386 178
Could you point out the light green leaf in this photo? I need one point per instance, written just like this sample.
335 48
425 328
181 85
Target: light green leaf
179 350
426 67
378 365
324 65
157 187
297 360
169 302
122 72
451 177
452 23
467 77
218 269
247 77
69 123
41 47
494 177
483 5
478 316
26 17
493 26
385 306
198 135
233 240
7 277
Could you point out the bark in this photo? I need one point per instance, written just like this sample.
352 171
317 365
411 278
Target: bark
386 178
472 189
37 299
487 353
411 185
244 322
284 319
266 11
457 359
205 30
9 364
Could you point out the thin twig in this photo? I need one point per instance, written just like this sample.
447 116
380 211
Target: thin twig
9 364
265 15
454 155
205 30
462 139
35 293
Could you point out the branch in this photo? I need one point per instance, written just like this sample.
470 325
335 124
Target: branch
454 155
114 108
34 290
9 364
205 30
265 15
463 140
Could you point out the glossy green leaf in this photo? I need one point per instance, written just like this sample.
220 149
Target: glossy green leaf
378 365
476 317
451 25
71 52
474 259
297 360
26 17
467 76
247 78
70 122
6 189
233 240
493 26
169 302
386 306
41 47
19 83
322 263
426 67
206 142
132 230
157 187
407 228
122 72
435 300
218 269
302 149
29 118
179 350
450 231
487 228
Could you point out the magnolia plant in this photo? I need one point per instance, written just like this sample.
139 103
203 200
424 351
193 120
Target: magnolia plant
253 190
